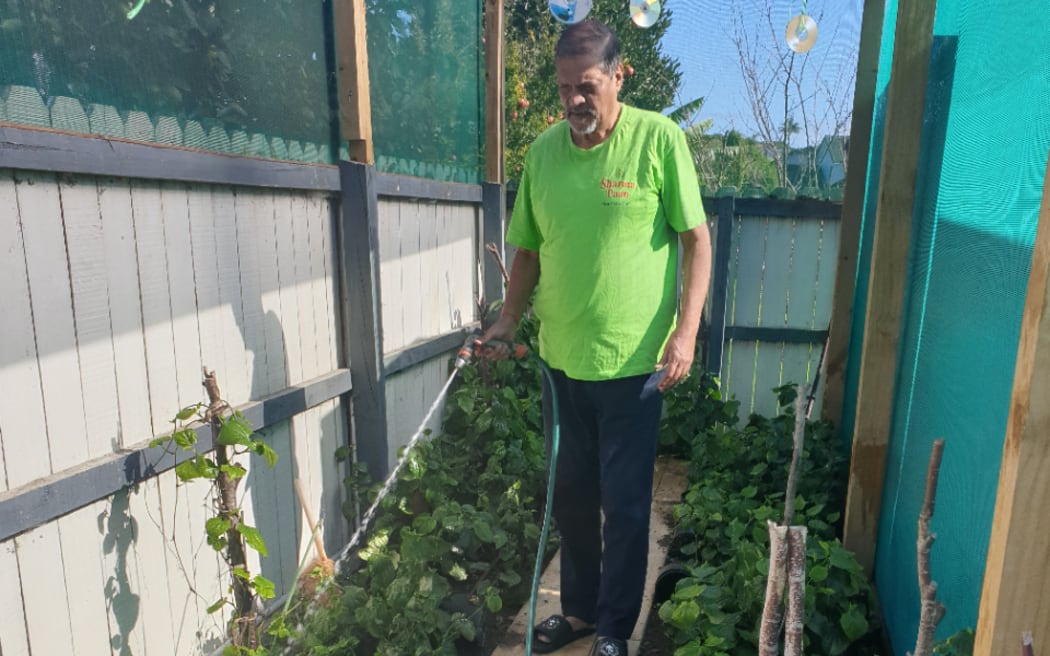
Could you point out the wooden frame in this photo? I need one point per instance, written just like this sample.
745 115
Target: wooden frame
355 100
1013 596
853 211
494 133
905 110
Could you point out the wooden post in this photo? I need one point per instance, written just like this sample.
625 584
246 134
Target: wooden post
494 203
1013 597
355 109
905 109
494 149
852 211
492 236
362 316
716 331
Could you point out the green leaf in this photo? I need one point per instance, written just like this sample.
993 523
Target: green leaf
253 537
216 528
235 431
424 524
241 573
818 573
264 587
216 606
749 492
196 467
264 450
840 558
458 573
483 530
466 629
494 602
691 648
853 623
233 471
685 614
187 412
689 592
185 438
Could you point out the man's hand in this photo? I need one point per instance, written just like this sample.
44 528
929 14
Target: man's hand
678 358
495 343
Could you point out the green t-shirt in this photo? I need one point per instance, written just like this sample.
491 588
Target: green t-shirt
605 221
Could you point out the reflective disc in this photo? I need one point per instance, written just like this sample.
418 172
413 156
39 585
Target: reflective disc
801 33
569 11
644 13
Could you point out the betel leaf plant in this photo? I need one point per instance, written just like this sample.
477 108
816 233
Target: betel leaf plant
452 543
737 477
227 532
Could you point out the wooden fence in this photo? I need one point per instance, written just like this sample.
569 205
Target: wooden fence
127 267
771 293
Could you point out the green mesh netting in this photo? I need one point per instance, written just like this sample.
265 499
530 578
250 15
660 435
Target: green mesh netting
984 154
426 70
238 76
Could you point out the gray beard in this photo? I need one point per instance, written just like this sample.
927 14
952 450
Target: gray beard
587 129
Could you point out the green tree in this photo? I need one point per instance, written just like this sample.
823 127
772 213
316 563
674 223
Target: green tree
731 159
425 72
532 104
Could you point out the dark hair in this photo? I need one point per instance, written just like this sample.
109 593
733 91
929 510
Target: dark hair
590 38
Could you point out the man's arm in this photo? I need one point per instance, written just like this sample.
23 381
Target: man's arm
524 274
696 276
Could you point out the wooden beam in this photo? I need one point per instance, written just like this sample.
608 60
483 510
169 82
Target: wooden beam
905 109
355 100
494 132
852 210
362 313
716 332
1013 597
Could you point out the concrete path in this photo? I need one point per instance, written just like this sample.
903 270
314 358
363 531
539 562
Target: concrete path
669 482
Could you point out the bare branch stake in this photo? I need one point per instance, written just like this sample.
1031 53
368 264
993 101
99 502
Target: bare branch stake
773 612
796 595
932 610
796 455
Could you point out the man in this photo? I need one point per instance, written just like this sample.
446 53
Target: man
604 197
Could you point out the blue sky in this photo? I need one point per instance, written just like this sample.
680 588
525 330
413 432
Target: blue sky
701 38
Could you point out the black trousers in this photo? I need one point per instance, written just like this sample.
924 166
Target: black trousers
607 450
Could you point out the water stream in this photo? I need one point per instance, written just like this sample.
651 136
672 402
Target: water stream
392 478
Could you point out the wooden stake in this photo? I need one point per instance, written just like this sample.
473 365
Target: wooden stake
796 455
494 132
773 611
932 610
355 99
796 595
1013 594
889 266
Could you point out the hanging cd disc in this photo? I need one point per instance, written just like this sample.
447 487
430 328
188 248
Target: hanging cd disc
569 11
644 13
801 33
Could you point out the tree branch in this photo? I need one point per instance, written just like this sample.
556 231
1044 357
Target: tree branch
932 610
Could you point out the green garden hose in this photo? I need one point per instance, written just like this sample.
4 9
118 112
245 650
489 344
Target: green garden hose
465 355
540 551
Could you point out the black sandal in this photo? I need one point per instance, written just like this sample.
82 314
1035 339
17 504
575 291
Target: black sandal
609 647
558 632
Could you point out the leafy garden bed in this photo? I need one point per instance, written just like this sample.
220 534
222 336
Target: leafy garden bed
450 555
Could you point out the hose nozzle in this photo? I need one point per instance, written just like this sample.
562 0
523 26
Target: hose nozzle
469 350
466 352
